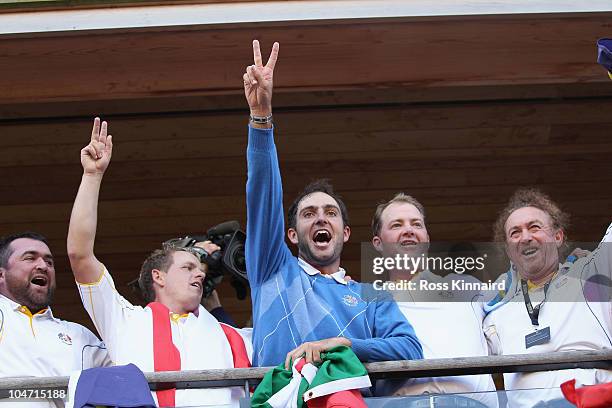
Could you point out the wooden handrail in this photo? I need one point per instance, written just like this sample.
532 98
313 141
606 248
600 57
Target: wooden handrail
387 369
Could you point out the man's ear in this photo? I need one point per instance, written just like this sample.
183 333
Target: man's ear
346 233
159 277
559 237
377 242
292 235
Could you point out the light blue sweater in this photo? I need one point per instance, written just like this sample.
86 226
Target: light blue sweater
291 307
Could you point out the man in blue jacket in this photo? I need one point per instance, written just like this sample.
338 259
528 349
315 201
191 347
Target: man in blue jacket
304 305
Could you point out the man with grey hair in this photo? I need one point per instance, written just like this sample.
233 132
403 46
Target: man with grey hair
548 307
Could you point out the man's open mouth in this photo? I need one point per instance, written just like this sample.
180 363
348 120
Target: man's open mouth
39 280
321 237
529 251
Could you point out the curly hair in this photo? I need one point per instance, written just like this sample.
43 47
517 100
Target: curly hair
530 197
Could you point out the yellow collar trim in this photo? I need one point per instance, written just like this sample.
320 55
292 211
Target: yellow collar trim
27 312
531 285
176 317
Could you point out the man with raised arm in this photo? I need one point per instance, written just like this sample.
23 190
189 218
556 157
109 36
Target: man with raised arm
304 305
174 332
548 307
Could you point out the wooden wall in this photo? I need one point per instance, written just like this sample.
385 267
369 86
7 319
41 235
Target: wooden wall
458 113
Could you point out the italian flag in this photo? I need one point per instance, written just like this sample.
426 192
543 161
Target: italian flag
336 380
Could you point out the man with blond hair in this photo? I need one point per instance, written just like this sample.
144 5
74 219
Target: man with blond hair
399 228
173 332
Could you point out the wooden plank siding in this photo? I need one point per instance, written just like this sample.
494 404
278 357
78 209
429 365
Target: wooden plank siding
458 112
453 158
443 53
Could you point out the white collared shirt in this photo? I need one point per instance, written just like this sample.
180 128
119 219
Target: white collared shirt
41 345
575 323
312 271
435 313
128 332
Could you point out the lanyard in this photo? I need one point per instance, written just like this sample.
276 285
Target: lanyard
533 312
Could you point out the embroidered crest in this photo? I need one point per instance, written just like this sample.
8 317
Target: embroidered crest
349 300
65 338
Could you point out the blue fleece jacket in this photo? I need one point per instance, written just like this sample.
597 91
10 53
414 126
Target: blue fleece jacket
291 307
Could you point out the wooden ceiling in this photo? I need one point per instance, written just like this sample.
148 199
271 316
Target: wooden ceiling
457 111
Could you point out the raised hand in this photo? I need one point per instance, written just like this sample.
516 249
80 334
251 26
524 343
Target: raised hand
258 81
96 156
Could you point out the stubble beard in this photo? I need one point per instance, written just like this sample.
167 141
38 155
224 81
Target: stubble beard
309 256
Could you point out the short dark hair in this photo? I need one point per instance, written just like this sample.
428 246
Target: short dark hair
323 186
530 197
159 259
5 244
398 198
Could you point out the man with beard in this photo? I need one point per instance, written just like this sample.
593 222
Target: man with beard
304 306
399 228
548 307
32 341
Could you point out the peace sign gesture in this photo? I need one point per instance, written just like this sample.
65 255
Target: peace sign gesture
95 157
258 81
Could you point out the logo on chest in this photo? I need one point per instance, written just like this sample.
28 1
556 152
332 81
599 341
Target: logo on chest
350 300
65 338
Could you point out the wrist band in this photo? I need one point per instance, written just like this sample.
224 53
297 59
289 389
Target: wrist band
261 120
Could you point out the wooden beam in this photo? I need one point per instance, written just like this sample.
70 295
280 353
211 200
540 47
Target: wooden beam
290 100
248 13
406 368
419 57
